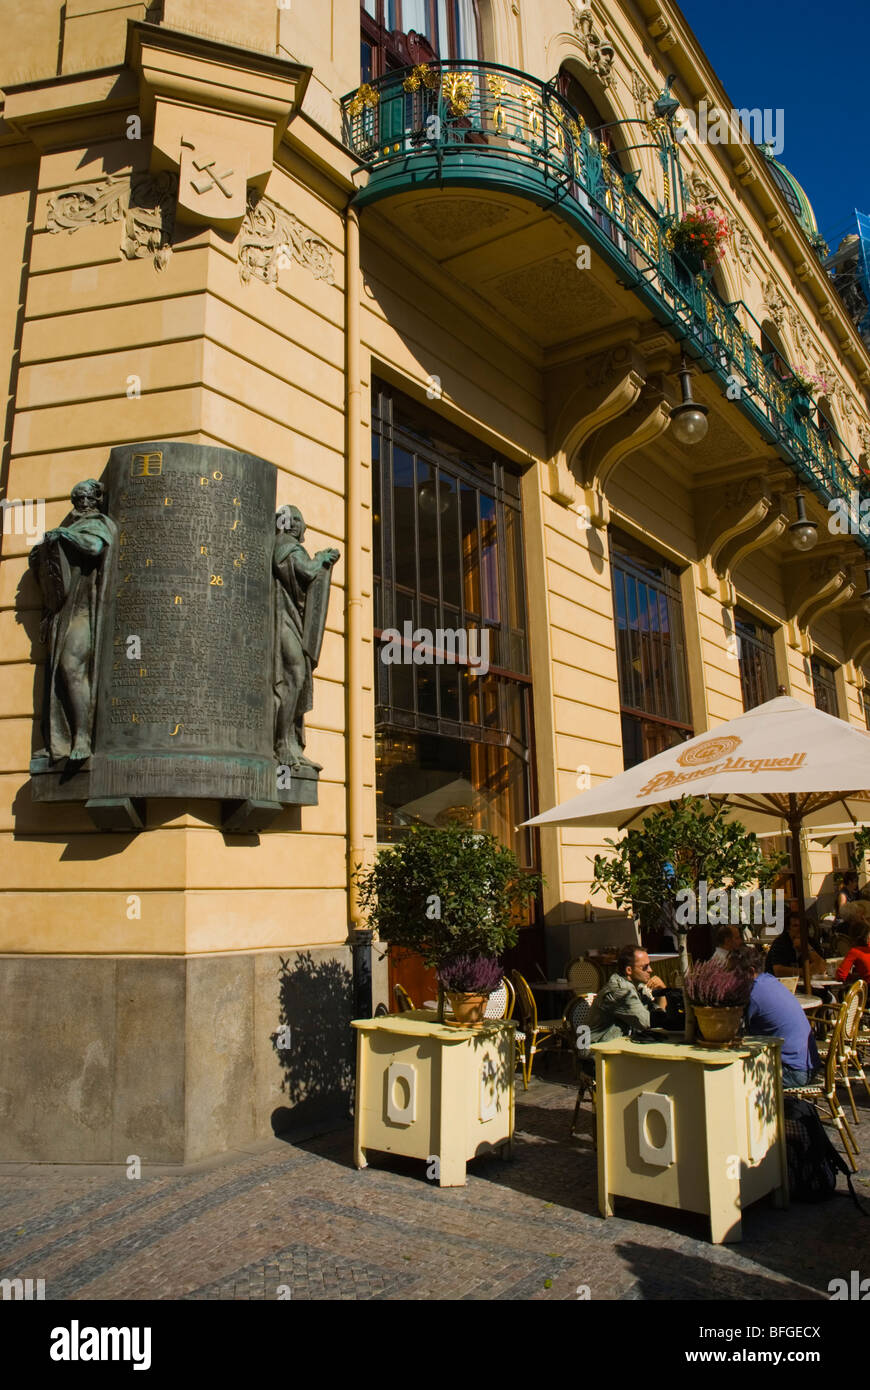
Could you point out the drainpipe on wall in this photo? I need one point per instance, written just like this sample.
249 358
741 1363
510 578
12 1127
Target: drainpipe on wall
360 936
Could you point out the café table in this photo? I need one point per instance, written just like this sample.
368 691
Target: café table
554 986
822 982
808 1002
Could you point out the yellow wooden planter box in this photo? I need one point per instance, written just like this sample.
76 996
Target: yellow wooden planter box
698 1129
434 1092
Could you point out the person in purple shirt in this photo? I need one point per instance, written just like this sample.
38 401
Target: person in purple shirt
773 1011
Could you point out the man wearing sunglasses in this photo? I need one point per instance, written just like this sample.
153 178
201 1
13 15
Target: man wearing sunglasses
626 1001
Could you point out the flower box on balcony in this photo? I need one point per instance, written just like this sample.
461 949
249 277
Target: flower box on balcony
802 404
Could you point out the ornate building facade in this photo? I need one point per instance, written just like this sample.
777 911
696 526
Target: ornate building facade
423 256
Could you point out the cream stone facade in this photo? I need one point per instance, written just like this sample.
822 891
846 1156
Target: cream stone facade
143 972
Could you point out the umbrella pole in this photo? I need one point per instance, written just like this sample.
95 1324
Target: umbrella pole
794 826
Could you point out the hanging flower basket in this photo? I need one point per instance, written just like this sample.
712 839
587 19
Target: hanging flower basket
802 404
699 238
803 388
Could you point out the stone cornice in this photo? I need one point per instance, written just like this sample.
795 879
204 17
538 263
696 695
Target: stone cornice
43 111
203 73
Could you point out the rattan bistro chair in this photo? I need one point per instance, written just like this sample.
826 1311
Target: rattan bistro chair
403 999
583 976
575 1017
501 1002
851 1042
535 1033
827 1091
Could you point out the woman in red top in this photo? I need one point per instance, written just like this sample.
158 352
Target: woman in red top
858 959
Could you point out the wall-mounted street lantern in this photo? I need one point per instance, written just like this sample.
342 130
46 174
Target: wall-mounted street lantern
689 419
803 532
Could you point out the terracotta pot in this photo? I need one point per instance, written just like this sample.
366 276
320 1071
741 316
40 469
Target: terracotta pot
718 1023
467 1008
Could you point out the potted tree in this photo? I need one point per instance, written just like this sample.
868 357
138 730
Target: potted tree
658 871
453 896
718 995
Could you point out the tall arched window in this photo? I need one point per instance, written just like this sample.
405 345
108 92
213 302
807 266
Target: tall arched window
827 427
774 353
600 126
396 33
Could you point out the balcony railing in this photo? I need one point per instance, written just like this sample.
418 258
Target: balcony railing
455 122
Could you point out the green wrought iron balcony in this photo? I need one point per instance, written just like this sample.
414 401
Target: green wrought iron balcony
470 124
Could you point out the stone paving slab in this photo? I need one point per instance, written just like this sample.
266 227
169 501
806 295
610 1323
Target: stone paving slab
298 1222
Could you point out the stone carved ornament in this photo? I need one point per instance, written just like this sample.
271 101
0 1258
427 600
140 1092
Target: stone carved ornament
703 192
642 93
599 53
775 303
145 203
743 248
270 238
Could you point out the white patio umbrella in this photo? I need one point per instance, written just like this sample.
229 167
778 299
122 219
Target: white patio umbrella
780 766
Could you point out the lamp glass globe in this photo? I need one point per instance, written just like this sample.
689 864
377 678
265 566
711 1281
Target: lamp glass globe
804 535
689 426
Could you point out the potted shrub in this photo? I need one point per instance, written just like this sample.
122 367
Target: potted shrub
678 848
468 981
447 893
718 995
699 237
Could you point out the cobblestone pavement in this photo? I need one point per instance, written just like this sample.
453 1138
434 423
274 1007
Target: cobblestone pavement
300 1219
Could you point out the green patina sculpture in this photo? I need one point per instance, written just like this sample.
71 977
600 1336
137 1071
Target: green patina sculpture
71 568
301 597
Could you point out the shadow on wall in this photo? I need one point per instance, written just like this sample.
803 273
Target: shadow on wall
314 1043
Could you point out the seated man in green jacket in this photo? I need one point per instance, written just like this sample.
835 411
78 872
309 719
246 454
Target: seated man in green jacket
624 1005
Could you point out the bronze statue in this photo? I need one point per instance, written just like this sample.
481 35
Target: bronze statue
301 596
71 568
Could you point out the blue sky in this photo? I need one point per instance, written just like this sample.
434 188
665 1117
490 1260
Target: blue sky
813 61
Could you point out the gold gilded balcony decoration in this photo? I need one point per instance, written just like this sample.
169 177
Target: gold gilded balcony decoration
425 74
364 96
458 88
532 103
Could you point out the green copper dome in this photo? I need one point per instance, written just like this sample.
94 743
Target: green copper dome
794 195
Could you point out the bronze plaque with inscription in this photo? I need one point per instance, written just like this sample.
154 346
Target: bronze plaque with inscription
186 703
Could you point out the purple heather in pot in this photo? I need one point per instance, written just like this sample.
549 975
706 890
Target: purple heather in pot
471 974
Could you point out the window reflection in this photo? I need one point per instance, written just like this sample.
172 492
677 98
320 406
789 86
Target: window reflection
448 559
650 650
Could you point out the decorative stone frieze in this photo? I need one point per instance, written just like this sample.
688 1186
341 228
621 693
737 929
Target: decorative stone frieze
271 238
144 202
